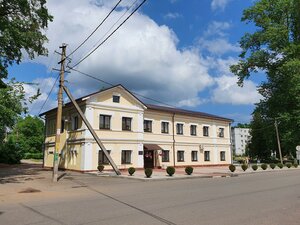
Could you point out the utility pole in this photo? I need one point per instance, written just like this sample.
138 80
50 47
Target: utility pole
278 141
59 113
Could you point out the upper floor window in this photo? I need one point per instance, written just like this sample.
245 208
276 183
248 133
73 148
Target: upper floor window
206 131
116 98
221 132
75 123
179 127
165 127
147 126
105 122
193 130
126 123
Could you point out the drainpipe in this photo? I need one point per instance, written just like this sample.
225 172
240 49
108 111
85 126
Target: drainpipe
173 121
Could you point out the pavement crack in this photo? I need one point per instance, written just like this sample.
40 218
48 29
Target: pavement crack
42 214
127 204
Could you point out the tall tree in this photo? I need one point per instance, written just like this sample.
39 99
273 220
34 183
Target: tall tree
275 49
21 24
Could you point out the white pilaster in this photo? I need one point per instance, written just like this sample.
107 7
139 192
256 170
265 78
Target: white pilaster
87 156
89 114
140 157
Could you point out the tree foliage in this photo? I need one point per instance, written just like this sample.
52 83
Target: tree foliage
275 49
21 24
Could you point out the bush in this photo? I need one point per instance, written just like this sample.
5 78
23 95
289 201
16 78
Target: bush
254 167
170 170
288 165
295 165
148 172
280 165
272 165
232 168
131 170
264 166
189 170
100 167
10 152
29 155
244 167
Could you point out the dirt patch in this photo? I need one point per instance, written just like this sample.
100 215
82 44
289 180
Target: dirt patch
29 190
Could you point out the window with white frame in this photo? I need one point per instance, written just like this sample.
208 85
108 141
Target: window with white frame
206 155
126 123
102 159
179 128
104 122
222 156
165 156
180 156
221 132
194 156
147 126
165 127
193 130
206 131
116 98
126 157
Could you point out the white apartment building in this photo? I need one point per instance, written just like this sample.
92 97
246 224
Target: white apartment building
240 137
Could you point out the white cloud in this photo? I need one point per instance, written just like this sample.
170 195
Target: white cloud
219 4
218 46
172 15
142 55
227 91
217 28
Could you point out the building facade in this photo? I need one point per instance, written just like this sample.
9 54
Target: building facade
240 138
136 134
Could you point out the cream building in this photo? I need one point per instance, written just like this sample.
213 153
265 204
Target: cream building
136 134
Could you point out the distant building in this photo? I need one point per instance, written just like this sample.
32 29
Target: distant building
240 137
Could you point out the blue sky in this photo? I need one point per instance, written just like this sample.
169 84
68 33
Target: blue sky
175 51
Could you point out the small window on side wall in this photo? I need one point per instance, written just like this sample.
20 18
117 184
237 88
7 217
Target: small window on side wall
116 98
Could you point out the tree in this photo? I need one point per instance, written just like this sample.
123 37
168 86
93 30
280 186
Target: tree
29 134
21 25
275 49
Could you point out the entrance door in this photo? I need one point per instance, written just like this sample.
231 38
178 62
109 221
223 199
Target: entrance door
148 159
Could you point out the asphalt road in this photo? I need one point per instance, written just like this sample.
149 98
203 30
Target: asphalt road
265 198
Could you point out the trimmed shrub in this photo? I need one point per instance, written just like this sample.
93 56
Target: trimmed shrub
254 167
295 165
10 152
232 168
280 165
29 155
244 167
170 170
288 165
264 166
189 170
100 167
131 170
148 172
272 165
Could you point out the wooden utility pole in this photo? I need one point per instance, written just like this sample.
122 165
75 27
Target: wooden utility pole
278 141
59 113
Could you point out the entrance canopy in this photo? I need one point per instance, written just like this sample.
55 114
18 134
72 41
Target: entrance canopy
152 147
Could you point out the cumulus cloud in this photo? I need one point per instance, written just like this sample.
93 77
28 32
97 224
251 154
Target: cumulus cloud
172 15
218 46
217 28
219 4
142 55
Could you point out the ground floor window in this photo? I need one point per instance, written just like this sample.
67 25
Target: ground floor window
222 155
180 156
194 156
126 157
165 156
102 159
206 155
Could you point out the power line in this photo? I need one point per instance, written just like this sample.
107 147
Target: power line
110 84
49 94
80 61
95 29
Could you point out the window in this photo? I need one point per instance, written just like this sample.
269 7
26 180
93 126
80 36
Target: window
222 155
147 126
179 127
116 98
194 156
126 157
126 123
165 127
105 122
206 131
62 127
180 156
75 123
221 132
206 156
165 156
193 130
102 159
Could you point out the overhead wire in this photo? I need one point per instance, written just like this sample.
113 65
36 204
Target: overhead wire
118 27
88 37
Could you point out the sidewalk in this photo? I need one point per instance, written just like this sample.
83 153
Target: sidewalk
199 172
